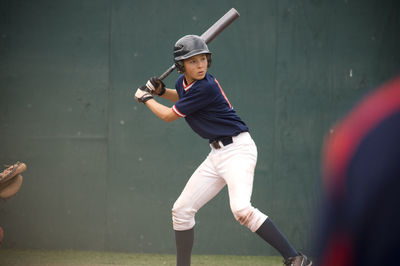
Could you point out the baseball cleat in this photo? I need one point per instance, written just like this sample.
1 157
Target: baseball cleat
300 260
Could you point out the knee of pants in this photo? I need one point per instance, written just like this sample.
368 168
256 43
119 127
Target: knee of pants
182 217
249 217
244 215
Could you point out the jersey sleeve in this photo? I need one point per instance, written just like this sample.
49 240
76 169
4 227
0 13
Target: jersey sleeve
195 99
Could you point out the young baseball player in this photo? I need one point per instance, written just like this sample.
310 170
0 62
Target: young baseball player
200 99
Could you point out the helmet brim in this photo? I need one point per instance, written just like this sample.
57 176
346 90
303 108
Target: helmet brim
191 54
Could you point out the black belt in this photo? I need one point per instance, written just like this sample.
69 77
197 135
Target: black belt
224 140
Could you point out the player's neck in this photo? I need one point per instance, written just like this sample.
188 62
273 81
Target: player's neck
188 80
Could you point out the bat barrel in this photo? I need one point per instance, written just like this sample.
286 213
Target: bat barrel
220 25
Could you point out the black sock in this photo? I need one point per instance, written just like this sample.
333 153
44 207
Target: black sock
271 234
184 243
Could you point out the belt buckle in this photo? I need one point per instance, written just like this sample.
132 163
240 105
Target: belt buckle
215 144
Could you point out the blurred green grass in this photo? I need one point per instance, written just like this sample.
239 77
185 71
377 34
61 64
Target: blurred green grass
9 257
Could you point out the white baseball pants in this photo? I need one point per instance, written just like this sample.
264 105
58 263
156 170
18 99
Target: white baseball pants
231 165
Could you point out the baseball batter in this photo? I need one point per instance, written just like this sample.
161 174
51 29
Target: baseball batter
200 99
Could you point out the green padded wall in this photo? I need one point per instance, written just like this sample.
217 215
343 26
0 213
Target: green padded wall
103 172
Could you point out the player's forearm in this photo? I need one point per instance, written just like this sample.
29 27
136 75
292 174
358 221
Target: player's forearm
161 111
170 95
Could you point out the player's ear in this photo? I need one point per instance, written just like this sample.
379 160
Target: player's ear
180 67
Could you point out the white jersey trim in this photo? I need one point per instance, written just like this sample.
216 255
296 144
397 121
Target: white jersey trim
186 87
176 111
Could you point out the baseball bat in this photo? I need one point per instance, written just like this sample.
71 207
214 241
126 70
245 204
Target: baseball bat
211 33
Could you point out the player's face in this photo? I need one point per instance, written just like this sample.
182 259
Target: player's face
195 67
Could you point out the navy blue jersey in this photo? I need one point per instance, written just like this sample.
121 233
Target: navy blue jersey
206 108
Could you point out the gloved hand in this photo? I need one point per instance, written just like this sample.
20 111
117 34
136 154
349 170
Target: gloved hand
143 94
11 180
156 86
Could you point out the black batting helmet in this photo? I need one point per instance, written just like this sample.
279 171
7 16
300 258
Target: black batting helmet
188 46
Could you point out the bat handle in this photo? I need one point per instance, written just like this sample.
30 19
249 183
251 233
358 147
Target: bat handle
167 72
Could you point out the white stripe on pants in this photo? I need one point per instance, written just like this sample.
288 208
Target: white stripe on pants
231 165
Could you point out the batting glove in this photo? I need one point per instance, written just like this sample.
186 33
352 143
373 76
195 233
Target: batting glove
143 94
156 86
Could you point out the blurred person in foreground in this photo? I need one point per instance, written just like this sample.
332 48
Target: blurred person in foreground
360 219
